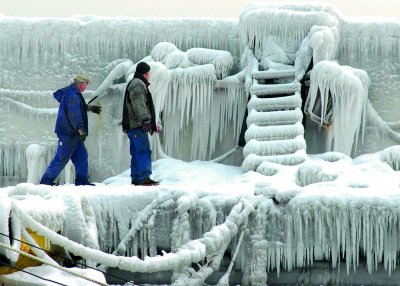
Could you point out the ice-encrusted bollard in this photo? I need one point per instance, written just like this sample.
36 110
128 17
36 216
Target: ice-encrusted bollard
69 173
35 162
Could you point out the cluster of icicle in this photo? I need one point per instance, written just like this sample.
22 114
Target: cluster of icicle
196 114
258 23
81 239
372 39
337 230
87 44
23 107
14 158
338 98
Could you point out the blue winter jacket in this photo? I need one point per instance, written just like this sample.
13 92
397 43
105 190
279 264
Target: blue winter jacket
72 112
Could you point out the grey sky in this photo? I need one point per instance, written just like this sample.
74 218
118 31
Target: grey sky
175 8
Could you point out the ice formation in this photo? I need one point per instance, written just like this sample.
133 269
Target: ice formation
337 100
298 69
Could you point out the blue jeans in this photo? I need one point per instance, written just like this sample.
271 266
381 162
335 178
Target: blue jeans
69 148
140 153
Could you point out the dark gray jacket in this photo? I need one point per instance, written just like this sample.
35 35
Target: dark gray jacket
138 104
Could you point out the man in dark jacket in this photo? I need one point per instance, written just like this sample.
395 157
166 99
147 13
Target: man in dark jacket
138 119
71 129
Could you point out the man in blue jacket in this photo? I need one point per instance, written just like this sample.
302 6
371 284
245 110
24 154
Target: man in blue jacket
71 129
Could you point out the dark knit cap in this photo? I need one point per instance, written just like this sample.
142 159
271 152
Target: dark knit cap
142 68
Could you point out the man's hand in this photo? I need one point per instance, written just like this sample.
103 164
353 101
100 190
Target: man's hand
82 135
94 108
147 126
159 128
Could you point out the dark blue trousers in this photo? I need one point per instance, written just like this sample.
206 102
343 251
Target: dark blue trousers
69 148
140 153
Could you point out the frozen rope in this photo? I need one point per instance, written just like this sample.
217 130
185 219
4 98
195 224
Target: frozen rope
215 245
224 281
226 155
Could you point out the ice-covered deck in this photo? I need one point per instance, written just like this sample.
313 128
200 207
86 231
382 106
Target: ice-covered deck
331 209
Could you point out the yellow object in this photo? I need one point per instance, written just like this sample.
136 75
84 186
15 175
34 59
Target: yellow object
24 262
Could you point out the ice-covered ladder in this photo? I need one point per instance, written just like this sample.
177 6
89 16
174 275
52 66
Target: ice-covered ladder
275 132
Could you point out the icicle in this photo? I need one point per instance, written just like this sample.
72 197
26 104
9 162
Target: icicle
190 96
119 38
375 39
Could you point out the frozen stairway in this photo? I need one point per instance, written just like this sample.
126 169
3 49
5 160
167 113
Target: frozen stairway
275 133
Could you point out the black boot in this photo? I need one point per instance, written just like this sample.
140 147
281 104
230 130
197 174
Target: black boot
82 181
148 182
47 181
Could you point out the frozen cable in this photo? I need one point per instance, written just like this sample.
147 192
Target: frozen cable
225 279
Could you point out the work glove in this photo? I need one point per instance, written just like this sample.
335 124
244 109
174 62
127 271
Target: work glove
94 108
82 135
147 126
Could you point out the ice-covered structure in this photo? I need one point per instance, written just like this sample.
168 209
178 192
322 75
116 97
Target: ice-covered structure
285 81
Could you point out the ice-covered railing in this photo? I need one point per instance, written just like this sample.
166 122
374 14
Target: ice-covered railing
88 43
337 99
261 23
300 7
37 99
12 106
